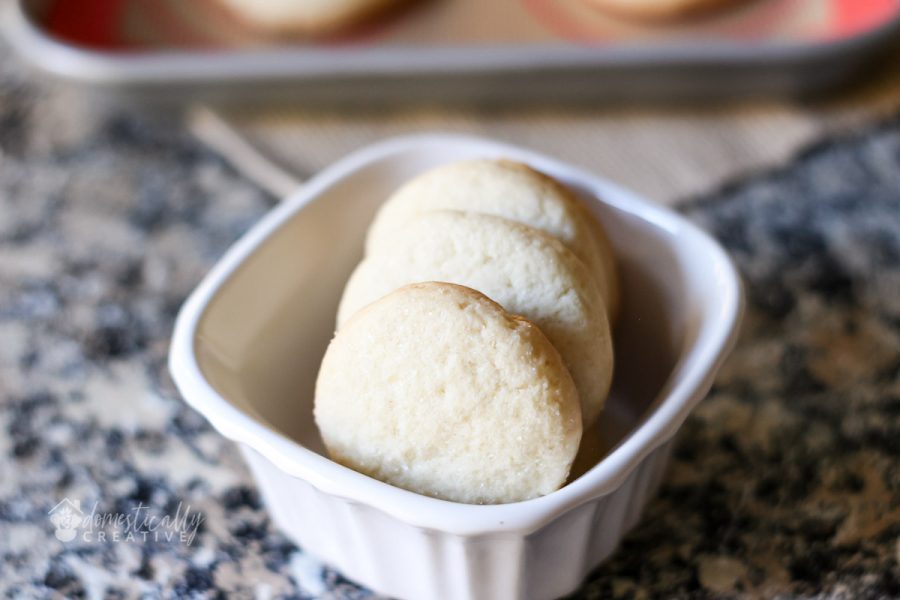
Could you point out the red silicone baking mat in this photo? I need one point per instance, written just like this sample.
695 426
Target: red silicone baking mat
148 25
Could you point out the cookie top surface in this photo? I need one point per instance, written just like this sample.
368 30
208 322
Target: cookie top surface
526 271
438 390
511 190
304 16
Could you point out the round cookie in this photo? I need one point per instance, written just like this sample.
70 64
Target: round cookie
438 390
310 17
525 270
660 10
511 190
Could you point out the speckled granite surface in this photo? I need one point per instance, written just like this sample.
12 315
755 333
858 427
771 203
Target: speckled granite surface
785 483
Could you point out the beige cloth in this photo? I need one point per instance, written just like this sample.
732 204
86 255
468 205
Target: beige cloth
667 155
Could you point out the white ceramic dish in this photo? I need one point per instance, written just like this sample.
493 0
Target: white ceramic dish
248 343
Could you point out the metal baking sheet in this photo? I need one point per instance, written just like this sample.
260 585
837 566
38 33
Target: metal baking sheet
446 50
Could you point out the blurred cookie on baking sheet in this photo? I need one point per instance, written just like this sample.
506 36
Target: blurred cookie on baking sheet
662 10
307 17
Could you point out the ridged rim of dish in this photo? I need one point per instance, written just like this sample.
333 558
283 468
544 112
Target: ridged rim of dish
686 386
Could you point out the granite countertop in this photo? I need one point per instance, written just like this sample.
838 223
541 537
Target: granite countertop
784 483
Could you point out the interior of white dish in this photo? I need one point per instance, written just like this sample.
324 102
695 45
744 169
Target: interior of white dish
263 333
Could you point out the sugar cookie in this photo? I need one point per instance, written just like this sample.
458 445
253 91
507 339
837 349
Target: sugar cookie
656 10
311 17
526 271
436 389
511 190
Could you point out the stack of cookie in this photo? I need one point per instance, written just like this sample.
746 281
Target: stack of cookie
473 342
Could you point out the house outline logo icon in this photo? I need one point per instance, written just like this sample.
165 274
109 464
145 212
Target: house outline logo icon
66 516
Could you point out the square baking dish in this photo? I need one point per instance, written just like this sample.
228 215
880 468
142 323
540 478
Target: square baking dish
249 340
